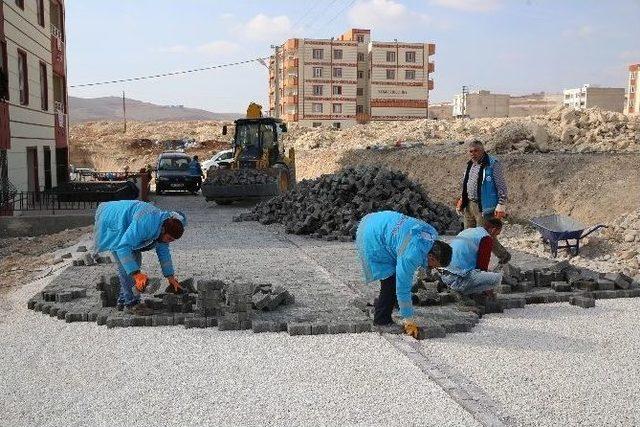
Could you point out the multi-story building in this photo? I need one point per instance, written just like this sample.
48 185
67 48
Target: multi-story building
480 104
589 96
33 95
348 80
633 93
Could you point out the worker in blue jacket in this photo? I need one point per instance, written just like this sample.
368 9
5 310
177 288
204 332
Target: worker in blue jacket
127 228
392 247
196 170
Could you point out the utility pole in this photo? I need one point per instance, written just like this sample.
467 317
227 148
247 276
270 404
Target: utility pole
124 113
465 92
276 110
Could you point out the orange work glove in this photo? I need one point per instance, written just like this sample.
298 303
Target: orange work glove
173 282
140 281
500 211
459 206
411 328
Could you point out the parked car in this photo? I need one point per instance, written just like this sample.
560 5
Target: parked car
172 173
220 159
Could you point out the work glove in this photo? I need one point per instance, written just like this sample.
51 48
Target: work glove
459 206
174 285
411 328
500 211
140 282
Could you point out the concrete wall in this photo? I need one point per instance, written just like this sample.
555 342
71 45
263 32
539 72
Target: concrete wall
481 104
19 226
607 98
30 125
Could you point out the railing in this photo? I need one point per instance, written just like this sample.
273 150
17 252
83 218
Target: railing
56 32
43 201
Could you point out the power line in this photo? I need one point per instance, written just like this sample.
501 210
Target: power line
338 14
320 13
169 74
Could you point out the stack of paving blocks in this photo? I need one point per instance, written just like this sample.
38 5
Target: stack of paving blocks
236 313
268 298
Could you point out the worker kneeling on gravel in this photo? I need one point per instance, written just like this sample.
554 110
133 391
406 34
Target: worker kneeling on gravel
129 227
392 247
467 273
484 192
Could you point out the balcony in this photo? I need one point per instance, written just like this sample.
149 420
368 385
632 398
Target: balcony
57 51
60 125
291 81
291 100
5 136
430 84
431 67
291 63
432 49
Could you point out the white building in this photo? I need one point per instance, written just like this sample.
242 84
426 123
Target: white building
480 104
633 94
33 96
589 96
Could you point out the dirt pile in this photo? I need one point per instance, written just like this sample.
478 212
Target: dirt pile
330 206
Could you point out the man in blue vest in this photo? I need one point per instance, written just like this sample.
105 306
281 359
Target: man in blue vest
129 227
392 247
196 170
467 273
484 193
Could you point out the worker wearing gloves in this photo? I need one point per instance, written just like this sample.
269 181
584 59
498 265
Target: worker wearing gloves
196 170
467 273
484 193
392 247
129 227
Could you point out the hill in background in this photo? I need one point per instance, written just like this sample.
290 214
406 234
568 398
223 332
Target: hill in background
110 108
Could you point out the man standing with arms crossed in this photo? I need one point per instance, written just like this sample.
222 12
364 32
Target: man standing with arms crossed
484 193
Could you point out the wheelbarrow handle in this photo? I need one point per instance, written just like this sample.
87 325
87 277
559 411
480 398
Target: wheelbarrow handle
597 227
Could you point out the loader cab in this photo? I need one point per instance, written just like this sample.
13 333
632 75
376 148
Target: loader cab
255 136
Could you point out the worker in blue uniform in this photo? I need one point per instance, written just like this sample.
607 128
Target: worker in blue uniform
392 247
127 228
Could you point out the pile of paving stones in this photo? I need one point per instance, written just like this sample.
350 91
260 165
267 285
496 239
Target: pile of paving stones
330 206
238 177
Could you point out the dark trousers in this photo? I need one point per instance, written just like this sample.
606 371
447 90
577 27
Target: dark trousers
386 301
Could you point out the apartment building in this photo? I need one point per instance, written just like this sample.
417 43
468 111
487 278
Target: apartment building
481 104
633 93
33 95
350 79
589 96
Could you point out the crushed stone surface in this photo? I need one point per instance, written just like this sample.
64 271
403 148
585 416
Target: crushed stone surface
554 364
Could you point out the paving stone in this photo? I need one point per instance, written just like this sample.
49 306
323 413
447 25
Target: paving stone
260 300
511 303
66 255
116 322
88 259
431 331
81 248
583 302
195 322
585 284
363 327
606 285
53 311
64 296
299 328
46 308
620 280
101 320
62 313
228 325
31 304
74 317
319 328
503 289
604 294
92 316
78 292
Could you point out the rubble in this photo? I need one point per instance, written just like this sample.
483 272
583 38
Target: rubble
330 206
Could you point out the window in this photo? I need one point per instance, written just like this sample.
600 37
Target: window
337 72
20 4
40 6
317 71
410 74
316 107
360 38
359 109
360 56
337 108
318 54
337 54
391 56
23 77
410 56
336 125
361 74
44 87
391 74
316 124
337 90
317 90
4 75
359 91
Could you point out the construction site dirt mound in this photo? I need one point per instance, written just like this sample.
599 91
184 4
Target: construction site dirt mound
330 206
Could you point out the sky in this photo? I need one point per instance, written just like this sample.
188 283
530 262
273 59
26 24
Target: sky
505 46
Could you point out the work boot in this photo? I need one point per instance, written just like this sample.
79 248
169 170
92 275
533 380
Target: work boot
138 310
389 328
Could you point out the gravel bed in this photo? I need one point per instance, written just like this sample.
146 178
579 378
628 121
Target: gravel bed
554 364
55 373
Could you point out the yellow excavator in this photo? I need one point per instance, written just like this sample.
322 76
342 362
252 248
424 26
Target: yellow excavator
260 166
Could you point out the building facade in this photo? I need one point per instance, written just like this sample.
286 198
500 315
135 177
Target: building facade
480 104
589 96
633 93
33 95
348 80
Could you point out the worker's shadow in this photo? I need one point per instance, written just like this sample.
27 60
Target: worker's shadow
522 336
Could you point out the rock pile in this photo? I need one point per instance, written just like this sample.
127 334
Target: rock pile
238 177
330 206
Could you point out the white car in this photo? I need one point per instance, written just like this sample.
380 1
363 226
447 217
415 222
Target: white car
221 159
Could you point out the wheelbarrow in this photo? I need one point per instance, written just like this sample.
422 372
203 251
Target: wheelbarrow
556 228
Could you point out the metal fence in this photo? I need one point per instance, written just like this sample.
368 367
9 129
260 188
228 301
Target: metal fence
43 201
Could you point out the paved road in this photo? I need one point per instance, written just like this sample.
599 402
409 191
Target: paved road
56 373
